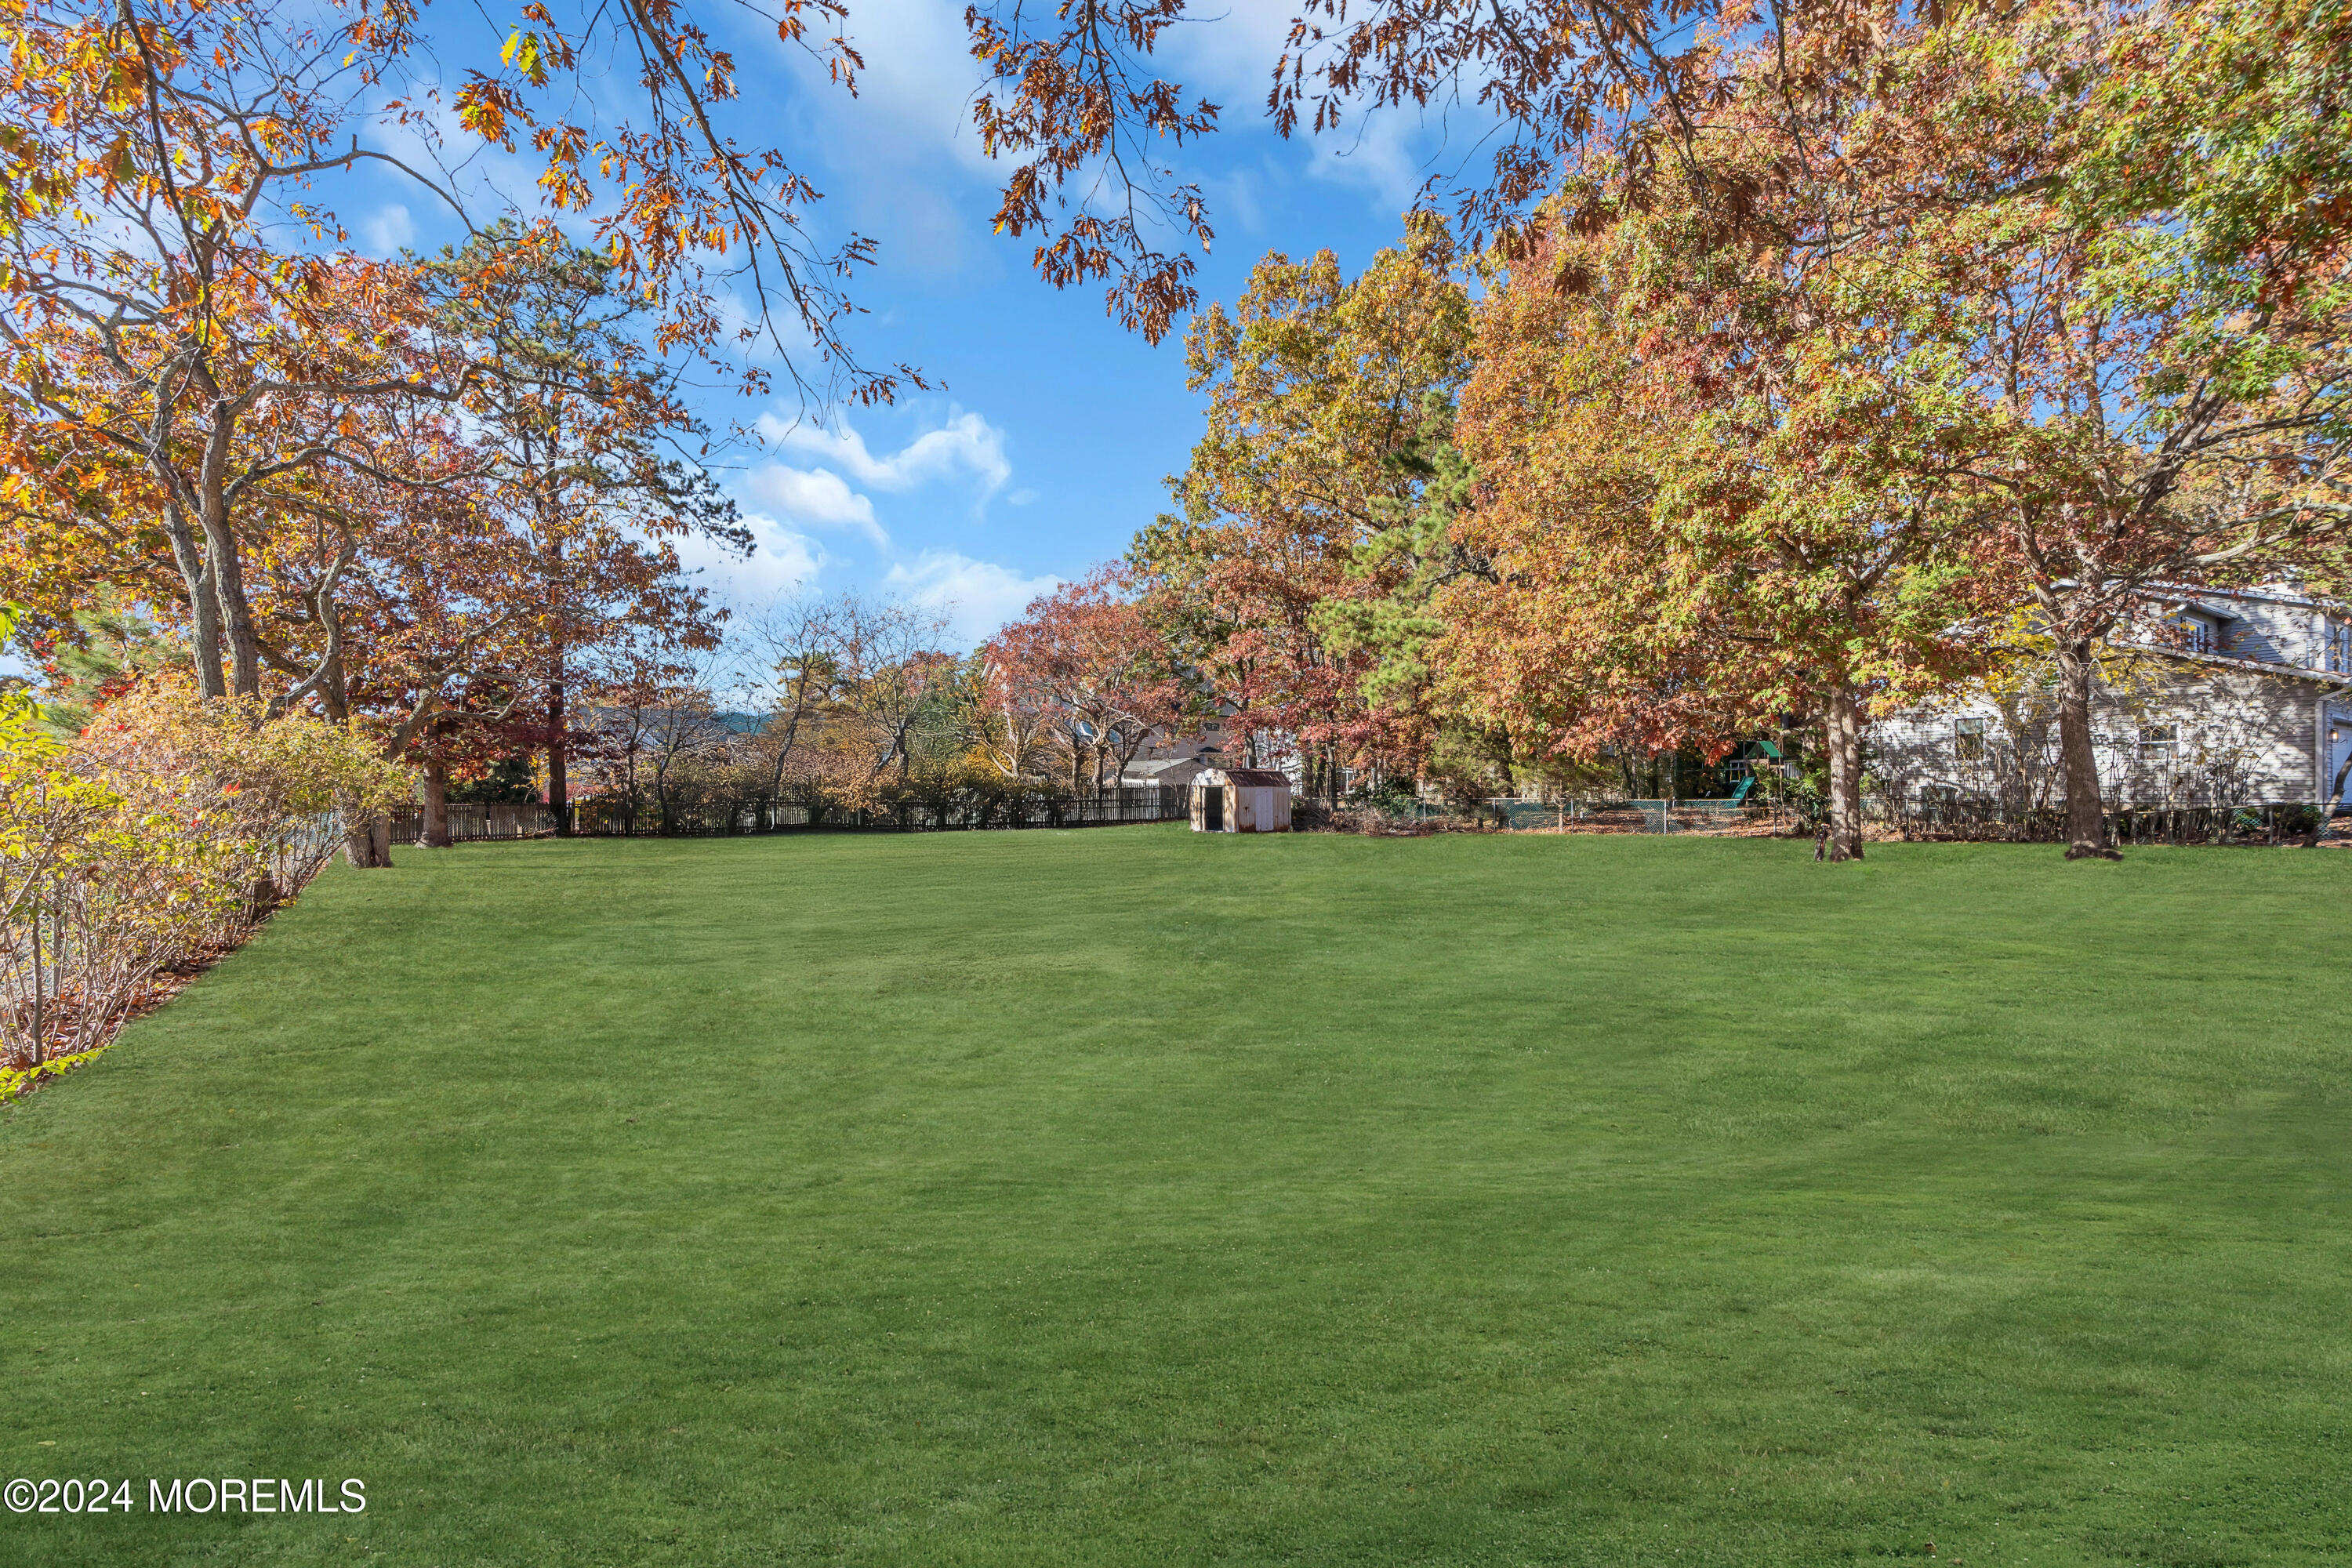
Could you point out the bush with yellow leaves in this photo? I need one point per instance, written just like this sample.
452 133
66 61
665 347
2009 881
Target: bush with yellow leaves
157 836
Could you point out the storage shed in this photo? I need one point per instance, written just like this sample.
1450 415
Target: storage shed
1242 800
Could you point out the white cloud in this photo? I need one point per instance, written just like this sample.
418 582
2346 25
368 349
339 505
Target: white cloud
907 166
1021 497
391 228
1387 152
814 496
1228 58
1237 199
771 338
979 595
915 90
965 444
1382 153
781 562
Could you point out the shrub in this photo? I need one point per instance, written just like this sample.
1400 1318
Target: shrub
160 834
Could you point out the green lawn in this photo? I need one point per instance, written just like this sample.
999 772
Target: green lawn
1134 1197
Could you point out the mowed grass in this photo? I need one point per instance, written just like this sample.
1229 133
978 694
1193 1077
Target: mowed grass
1134 1198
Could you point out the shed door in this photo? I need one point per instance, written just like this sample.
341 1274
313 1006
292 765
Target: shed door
1213 815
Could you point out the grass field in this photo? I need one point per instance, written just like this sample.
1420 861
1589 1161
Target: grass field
1134 1197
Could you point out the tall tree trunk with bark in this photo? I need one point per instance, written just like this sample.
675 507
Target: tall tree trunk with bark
559 778
227 564
2086 824
435 834
204 609
367 841
559 784
1842 735
334 694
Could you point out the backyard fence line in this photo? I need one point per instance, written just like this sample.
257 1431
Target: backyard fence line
625 817
2288 822
1728 818
2281 822
622 818
471 821
1965 822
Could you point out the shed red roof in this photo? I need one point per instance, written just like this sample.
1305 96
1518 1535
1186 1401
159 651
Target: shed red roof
1257 778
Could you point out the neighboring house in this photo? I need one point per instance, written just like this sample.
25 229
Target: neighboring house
1202 747
1176 772
2234 698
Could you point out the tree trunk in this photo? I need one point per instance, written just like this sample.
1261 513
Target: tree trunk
1842 735
367 844
559 745
227 566
334 696
436 804
204 609
2086 824
559 784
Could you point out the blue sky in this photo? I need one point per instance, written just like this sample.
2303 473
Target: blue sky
1048 442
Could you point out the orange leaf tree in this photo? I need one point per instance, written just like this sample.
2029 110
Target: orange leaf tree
190 343
1326 396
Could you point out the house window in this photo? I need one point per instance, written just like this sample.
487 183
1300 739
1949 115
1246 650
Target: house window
2204 634
1212 727
2339 647
2156 742
1969 740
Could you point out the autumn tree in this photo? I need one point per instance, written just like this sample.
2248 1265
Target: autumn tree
792 675
656 728
597 459
887 669
2142 348
188 331
1012 719
1884 335
2145 307
1085 666
1329 407
1077 107
1729 476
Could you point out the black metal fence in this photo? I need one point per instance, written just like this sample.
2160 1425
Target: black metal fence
624 817
1962 821
471 822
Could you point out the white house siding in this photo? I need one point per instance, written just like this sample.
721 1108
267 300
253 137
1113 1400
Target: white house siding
2239 737
2266 629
